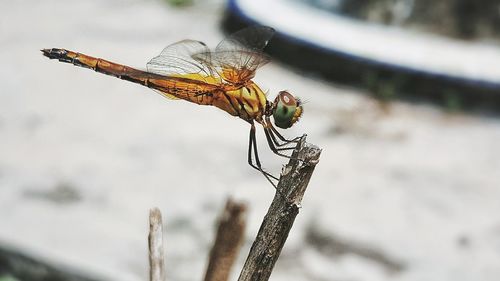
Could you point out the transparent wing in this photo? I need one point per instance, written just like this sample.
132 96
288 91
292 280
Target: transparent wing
253 39
178 59
238 56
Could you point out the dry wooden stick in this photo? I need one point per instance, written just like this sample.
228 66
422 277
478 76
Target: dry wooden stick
155 239
228 240
281 214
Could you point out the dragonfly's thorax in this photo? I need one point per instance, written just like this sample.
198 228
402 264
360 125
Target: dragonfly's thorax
248 102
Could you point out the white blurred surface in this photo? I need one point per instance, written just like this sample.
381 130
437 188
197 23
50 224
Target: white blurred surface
396 46
413 183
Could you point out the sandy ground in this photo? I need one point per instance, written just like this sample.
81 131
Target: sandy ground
406 192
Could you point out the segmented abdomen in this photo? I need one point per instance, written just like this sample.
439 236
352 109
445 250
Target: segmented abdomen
170 86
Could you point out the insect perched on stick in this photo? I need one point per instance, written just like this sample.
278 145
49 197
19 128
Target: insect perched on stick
188 70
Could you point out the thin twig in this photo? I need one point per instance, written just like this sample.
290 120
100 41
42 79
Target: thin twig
281 214
155 239
230 234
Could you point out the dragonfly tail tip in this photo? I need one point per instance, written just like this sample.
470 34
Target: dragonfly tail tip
54 53
46 52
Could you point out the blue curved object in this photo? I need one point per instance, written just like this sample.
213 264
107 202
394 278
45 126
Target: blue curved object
471 91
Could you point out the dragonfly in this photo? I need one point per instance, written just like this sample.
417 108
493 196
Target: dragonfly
188 70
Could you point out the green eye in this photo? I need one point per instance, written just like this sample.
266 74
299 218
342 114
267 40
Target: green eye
285 110
283 115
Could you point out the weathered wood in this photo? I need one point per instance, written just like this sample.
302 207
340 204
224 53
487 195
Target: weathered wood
228 240
155 241
281 214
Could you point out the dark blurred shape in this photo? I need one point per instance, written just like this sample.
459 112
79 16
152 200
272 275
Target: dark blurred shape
180 3
458 18
384 80
332 245
18 266
464 241
62 193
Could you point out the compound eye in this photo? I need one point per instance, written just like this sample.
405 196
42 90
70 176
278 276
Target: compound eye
284 112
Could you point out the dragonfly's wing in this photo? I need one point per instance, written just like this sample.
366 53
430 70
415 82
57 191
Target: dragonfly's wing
178 60
238 56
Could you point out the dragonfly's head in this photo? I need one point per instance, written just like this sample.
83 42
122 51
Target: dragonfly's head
286 110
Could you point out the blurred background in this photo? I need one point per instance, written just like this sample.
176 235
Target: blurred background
402 96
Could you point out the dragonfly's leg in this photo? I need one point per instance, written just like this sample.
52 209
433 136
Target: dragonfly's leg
271 143
252 145
271 139
294 140
268 121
